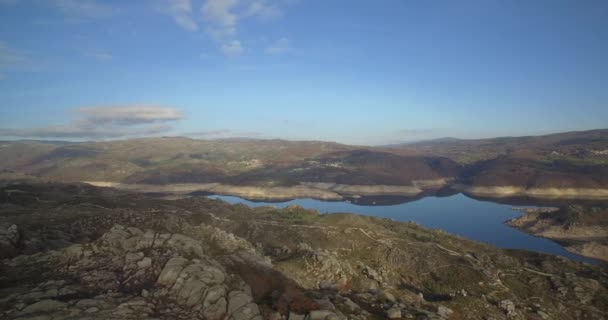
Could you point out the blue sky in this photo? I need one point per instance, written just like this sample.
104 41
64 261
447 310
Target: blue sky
362 72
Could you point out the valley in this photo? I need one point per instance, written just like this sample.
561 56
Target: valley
127 216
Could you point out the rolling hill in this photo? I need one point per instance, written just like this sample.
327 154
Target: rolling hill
572 164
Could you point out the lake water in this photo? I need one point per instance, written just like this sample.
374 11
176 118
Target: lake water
457 214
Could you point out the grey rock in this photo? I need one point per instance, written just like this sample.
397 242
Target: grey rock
36 317
325 304
444 312
171 271
144 263
543 314
85 303
143 240
214 303
132 257
115 237
393 313
274 316
44 306
92 310
75 251
191 292
186 245
241 306
303 247
507 306
328 285
10 235
9 239
236 300
295 316
246 312
351 306
371 273
387 296
319 315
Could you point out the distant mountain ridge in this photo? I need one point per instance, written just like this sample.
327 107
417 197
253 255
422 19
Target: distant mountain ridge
571 162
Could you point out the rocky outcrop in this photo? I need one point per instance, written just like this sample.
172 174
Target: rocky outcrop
136 257
9 240
132 274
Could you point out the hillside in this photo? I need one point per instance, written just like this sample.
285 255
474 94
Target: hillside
239 164
577 146
567 165
75 251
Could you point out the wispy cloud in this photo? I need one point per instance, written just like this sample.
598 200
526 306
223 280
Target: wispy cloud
280 46
181 12
232 48
220 19
105 122
264 9
125 115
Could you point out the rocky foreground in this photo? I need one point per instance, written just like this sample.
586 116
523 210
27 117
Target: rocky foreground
80 252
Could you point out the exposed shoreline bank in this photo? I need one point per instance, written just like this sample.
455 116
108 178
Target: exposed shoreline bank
540 193
340 192
318 191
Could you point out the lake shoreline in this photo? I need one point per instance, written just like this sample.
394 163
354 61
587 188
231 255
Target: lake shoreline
342 192
456 208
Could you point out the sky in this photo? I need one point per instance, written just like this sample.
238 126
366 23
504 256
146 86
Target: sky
357 72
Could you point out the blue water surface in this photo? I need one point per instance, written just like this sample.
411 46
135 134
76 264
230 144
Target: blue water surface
457 214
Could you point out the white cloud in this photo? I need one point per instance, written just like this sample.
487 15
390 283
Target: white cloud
181 12
222 17
232 48
263 9
280 46
105 122
129 114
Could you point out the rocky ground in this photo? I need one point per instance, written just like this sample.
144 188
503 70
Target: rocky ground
581 229
81 252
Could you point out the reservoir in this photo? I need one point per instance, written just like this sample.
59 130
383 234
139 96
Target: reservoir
457 214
